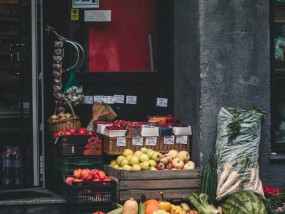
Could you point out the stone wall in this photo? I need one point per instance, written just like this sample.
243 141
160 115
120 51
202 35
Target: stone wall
222 59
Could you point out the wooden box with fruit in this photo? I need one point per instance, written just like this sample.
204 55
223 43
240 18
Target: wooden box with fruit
150 172
116 145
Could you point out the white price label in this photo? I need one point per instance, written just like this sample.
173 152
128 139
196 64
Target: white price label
88 100
119 98
161 102
150 141
121 141
168 140
108 99
181 139
131 99
98 98
137 141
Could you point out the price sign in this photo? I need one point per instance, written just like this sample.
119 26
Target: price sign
161 102
121 141
137 141
88 100
98 98
119 98
168 140
181 139
150 141
108 99
131 100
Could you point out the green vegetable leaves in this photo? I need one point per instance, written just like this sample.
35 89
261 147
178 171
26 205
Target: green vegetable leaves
201 203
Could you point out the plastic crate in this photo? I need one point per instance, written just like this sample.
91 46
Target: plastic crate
66 165
88 208
87 192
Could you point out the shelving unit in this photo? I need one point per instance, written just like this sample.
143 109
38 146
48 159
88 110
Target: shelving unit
9 31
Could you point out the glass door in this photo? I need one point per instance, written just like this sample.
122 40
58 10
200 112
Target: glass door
19 93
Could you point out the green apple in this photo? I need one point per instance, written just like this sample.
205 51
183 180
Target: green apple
144 157
124 162
136 167
113 162
153 168
150 152
145 165
127 167
134 160
116 166
129 157
119 158
156 156
138 153
144 150
127 152
152 162
173 153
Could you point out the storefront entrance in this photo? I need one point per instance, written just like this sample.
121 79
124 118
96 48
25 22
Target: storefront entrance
20 94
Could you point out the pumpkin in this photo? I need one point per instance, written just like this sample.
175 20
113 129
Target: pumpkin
151 205
130 207
98 212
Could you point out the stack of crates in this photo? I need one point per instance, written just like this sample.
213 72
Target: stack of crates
84 197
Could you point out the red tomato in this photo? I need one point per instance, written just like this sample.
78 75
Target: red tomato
72 131
67 133
60 133
90 132
55 135
82 131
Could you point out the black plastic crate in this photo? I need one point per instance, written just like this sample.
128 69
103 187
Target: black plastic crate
86 192
88 208
66 165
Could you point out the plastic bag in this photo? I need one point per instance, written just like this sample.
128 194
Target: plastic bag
237 150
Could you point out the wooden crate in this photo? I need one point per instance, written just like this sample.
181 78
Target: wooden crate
175 184
110 146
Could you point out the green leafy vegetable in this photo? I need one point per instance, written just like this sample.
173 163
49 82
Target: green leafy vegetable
201 203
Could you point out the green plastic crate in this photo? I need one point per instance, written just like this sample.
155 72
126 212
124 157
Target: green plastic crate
66 165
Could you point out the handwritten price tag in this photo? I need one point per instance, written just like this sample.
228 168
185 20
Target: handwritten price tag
121 141
181 139
168 140
150 141
137 141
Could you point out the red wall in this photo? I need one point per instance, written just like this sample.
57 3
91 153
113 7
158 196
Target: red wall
123 44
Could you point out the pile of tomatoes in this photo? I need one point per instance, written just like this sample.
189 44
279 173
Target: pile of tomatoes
72 131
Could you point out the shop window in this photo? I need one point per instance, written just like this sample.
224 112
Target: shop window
278 75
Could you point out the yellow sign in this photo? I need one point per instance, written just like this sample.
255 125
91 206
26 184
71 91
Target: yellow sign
74 14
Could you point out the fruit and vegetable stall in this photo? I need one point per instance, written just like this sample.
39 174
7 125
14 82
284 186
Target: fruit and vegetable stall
124 167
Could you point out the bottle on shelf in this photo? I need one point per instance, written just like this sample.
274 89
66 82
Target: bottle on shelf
7 178
17 166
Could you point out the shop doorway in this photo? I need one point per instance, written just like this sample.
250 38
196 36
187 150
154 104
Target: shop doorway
20 93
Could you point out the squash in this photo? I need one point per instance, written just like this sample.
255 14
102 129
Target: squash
151 205
130 207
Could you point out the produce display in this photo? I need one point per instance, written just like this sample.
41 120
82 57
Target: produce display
87 175
148 159
237 150
152 206
243 202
